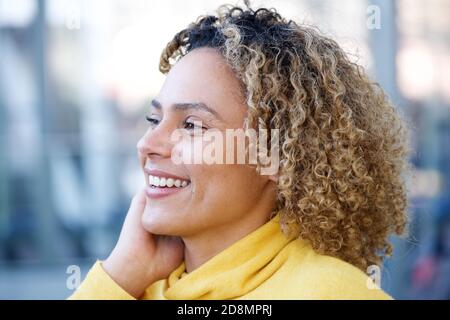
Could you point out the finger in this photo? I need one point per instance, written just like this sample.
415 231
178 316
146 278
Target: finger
138 204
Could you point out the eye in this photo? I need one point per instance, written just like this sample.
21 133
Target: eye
153 121
191 125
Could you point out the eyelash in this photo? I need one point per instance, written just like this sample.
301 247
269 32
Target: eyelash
155 122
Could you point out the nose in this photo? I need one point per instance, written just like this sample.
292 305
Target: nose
156 142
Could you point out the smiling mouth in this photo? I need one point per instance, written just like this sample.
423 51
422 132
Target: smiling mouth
159 186
163 182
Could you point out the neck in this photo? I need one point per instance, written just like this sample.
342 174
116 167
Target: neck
200 248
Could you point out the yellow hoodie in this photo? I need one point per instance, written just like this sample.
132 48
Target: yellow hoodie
263 265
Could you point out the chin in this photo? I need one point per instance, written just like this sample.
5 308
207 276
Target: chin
160 222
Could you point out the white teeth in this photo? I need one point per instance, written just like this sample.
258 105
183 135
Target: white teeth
169 182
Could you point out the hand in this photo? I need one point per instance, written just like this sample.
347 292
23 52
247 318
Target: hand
139 257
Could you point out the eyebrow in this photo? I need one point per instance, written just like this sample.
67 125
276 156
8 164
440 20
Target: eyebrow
187 106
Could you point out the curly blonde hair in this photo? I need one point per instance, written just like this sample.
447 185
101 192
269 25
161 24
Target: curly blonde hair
343 146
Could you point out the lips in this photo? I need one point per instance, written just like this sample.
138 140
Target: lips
161 183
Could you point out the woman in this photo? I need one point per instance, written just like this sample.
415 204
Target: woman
309 230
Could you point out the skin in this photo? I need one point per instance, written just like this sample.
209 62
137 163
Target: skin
223 203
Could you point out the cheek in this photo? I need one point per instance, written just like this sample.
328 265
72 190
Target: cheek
225 186
187 150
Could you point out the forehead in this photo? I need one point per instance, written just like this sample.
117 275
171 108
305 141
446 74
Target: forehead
203 75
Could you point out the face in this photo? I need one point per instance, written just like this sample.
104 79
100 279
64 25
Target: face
200 94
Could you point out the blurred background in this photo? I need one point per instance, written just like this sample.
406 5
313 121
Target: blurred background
76 77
